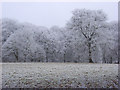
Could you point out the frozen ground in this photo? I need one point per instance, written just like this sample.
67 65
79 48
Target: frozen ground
0 75
59 75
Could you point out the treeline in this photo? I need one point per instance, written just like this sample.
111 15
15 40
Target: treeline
87 37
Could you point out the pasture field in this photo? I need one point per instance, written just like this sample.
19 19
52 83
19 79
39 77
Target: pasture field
59 75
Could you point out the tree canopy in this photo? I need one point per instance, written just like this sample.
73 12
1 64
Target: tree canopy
87 37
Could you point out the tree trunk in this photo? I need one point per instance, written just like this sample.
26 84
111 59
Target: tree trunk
90 57
104 58
46 54
16 54
110 60
64 57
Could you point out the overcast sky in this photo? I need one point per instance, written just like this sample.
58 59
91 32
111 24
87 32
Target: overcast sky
49 14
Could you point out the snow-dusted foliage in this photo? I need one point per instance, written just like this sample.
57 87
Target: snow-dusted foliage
108 43
87 37
87 22
93 30
0 40
8 27
22 46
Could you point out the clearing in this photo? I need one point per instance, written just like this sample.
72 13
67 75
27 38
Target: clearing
59 75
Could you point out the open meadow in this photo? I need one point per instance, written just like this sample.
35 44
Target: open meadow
59 75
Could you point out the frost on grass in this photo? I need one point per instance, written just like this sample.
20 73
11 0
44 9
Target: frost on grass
0 76
59 75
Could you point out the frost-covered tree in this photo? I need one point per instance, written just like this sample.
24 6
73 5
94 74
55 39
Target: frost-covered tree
9 26
52 42
0 40
87 22
108 42
87 37
58 36
21 47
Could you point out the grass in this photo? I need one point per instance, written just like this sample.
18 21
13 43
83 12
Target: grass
59 75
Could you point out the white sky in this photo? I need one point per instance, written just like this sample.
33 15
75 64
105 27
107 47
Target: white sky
53 13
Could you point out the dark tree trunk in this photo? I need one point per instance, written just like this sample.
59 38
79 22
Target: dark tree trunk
110 60
90 56
16 57
46 54
16 54
64 57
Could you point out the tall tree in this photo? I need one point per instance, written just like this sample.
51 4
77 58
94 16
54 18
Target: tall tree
87 22
109 42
